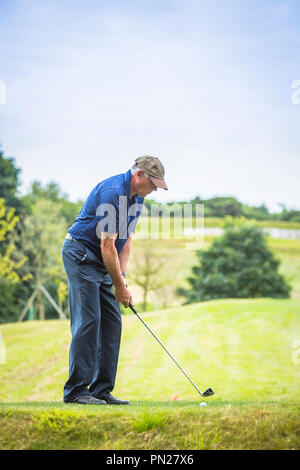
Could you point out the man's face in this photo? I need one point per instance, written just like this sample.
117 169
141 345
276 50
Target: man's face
145 185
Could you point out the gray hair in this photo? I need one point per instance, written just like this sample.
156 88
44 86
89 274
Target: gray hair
134 170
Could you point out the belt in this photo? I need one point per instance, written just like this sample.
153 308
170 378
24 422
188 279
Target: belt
69 237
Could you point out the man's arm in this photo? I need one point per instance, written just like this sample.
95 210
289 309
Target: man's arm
124 254
112 264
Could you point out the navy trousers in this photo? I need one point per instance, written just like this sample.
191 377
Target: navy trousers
95 323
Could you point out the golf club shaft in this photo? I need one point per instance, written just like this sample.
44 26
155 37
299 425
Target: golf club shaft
157 339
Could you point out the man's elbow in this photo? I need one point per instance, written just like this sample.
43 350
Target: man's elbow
108 242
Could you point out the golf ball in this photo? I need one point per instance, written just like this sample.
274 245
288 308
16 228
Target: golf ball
203 403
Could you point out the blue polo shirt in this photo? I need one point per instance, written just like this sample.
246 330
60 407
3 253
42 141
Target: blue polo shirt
109 209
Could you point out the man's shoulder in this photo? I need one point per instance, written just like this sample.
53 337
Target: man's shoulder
115 184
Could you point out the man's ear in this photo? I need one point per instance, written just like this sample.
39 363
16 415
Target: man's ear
140 172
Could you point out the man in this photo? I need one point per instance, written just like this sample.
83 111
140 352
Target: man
95 255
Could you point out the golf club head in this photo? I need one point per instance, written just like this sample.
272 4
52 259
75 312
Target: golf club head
208 392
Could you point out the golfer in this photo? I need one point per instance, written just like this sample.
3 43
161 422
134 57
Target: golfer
95 254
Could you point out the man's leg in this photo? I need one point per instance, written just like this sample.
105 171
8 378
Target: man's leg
110 338
83 286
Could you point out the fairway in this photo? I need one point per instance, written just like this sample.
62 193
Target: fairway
150 425
243 348
181 257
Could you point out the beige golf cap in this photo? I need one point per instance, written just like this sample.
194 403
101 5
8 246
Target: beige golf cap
154 168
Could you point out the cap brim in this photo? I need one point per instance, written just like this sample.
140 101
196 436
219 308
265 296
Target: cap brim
160 183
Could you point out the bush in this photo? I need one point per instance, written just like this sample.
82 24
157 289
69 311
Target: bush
237 265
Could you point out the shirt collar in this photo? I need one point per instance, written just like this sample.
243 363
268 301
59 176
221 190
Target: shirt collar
127 188
127 183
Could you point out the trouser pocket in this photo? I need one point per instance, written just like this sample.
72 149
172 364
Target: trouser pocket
75 250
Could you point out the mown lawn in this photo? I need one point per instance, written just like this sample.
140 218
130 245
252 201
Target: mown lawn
244 349
180 255
151 425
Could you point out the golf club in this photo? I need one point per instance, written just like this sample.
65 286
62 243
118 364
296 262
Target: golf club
208 392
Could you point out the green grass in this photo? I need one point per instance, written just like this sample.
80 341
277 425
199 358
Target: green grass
181 256
144 226
218 222
150 425
288 252
242 348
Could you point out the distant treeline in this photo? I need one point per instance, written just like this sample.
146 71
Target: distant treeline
223 206
32 230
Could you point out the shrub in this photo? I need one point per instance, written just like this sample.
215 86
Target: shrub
238 264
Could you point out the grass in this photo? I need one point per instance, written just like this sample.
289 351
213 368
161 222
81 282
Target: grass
218 222
242 348
150 425
181 256
148 223
288 252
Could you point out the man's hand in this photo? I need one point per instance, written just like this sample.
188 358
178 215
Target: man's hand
123 296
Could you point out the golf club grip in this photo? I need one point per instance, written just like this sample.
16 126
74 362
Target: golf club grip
153 334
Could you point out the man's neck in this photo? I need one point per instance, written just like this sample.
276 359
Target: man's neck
132 188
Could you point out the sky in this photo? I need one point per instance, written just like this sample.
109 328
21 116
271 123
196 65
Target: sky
206 86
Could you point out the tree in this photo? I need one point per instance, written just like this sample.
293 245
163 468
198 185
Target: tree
9 183
146 269
223 206
52 191
11 291
41 240
238 264
259 213
8 265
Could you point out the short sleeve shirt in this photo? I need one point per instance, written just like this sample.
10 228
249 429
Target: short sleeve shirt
108 208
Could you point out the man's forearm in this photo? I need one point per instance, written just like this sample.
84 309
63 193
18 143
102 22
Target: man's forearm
112 264
124 255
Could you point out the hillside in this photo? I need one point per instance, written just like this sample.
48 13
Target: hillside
180 257
244 349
